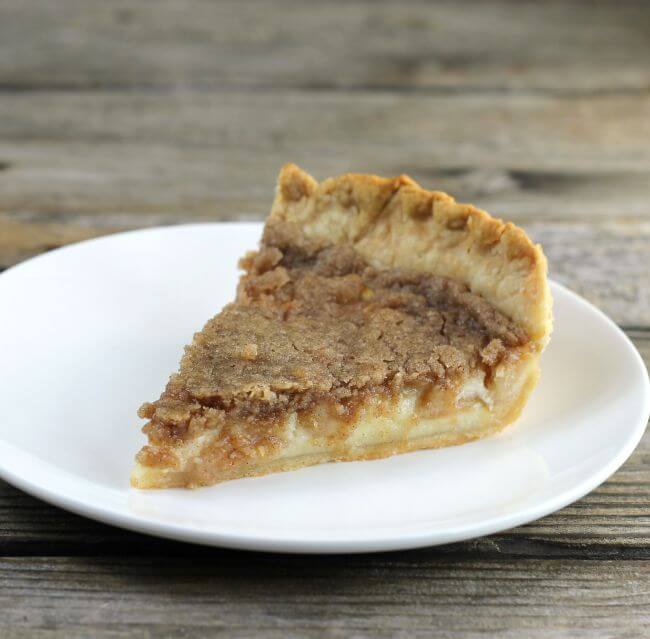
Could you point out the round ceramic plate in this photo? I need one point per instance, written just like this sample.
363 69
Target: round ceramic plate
89 332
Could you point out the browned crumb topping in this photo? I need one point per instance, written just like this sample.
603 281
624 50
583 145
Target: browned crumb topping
313 321
249 352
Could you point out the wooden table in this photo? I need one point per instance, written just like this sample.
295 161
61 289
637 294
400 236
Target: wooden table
129 114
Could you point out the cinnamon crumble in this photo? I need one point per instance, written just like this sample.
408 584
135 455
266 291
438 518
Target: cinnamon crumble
312 320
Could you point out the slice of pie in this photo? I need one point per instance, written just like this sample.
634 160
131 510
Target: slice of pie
375 318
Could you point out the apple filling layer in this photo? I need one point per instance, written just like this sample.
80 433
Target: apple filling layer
324 357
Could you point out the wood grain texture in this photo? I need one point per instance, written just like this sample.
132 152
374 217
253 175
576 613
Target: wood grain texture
397 595
106 159
174 45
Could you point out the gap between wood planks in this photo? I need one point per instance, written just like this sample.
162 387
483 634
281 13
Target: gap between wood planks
209 89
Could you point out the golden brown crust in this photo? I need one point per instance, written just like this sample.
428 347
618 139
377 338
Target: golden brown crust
393 222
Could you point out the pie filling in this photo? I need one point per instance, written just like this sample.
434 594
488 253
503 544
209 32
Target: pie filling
324 357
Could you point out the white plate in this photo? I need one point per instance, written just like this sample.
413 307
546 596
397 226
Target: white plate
89 332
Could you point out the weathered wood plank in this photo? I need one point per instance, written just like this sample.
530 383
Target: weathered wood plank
398 595
19 241
175 44
120 159
612 521
606 263
532 132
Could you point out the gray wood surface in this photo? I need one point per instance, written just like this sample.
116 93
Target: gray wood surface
114 158
117 115
567 47
405 595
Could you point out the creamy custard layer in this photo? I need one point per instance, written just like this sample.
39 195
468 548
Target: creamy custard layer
427 417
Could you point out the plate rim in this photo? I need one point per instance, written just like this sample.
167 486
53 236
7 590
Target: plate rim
315 545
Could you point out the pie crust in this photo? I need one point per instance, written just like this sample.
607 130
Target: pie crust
376 318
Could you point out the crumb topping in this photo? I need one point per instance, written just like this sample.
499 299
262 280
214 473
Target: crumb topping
313 320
